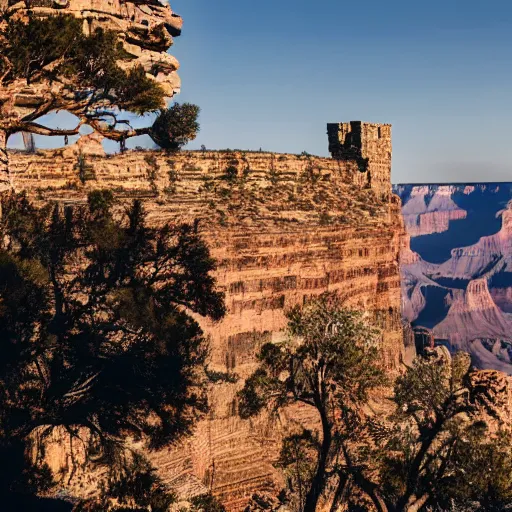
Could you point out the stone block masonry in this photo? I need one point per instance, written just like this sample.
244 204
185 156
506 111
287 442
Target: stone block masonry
369 145
283 228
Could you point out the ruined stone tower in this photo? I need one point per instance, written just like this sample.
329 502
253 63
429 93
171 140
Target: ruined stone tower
369 144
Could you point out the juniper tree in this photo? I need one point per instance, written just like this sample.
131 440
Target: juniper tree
49 63
96 334
439 449
435 450
329 364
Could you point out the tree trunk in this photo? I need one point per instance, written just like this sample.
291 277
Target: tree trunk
413 475
317 485
5 182
340 490
417 504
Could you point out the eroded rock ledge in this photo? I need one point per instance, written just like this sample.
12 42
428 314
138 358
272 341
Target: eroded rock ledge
146 30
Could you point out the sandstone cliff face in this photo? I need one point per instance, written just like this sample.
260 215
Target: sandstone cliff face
283 228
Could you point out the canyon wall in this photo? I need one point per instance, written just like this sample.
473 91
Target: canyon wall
428 211
283 228
457 282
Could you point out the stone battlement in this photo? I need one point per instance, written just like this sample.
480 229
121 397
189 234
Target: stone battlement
369 144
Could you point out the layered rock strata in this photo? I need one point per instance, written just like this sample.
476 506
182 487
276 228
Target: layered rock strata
283 229
426 212
466 299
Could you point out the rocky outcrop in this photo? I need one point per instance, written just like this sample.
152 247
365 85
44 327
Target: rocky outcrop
283 228
489 391
426 212
489 253
473 314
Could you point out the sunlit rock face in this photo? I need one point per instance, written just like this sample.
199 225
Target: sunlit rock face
428 211
286 229
146 28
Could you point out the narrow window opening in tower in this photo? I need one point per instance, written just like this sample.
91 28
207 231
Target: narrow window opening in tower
379 130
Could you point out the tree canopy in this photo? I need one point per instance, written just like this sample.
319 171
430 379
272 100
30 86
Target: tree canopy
96 328
439 449
50 64
429 446
329 364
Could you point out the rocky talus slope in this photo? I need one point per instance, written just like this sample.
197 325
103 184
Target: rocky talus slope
283 228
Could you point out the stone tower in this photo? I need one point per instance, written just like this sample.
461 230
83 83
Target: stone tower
369 144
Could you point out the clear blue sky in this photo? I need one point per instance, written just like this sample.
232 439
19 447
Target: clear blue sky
272 73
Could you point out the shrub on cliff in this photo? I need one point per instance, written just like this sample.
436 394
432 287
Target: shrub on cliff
96 334
328 364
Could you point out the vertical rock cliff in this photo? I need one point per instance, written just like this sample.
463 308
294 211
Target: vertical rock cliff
283 228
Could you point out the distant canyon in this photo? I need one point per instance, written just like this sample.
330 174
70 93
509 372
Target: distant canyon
456 269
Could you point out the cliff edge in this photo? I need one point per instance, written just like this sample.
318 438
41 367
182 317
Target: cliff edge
283 228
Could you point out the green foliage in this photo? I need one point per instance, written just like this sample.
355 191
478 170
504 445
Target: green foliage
138 93
176 126
216 377
206 503
230 174
95 329
439 449
362 163
298 459
136 487
152 171
46 48
324 218
330 364
31 46
85 170
274 176
174 177
100 203
480 471
433 450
